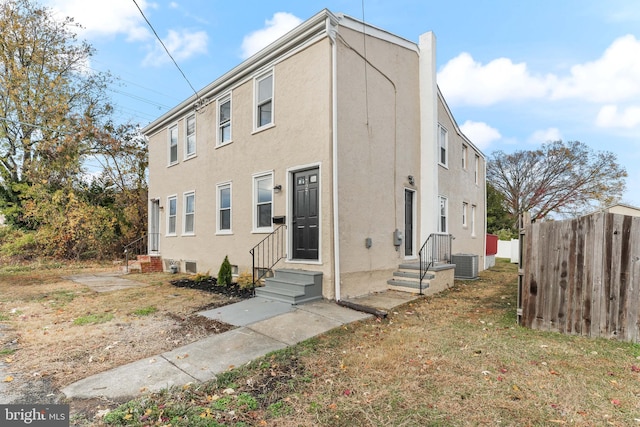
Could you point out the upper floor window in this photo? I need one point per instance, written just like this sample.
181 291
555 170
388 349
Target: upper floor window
442 146
264 100
224 120
190 146
477 169
189 212
464 156
173 145
224 208
465 206
442 222
263 199
172 202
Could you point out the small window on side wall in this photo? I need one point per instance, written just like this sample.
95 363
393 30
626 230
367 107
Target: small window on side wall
190 146
442 146
172 202
224 208
442 219
224 120
173 145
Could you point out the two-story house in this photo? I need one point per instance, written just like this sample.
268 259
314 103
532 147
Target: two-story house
333 146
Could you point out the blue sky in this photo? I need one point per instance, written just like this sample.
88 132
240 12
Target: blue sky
515 73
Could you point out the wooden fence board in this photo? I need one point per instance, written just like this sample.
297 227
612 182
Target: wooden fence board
582 276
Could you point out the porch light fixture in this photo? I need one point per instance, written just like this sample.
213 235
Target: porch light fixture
277 188
411 180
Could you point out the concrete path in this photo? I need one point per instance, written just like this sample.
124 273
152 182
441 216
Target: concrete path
105 282
264 326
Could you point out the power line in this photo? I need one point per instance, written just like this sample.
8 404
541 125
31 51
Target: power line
167 50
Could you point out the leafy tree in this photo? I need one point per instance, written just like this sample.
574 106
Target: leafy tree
48 102
499 220
559 178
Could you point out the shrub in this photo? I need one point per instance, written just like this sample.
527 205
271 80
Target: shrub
245 279
225 275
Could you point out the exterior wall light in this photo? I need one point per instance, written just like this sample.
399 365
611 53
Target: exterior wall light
411 180
277 188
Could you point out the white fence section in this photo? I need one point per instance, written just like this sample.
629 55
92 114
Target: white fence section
509 249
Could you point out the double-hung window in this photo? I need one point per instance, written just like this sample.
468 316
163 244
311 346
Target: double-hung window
189 212
442 146
172 203
442 223
465 207
224 120
263 200
173 145
473 220
477 169
464 156
264 100
224 208
190 146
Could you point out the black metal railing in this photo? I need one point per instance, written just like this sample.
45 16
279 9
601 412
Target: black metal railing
436 249
141 246
268 252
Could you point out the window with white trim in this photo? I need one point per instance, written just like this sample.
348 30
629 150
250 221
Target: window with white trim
172 208
465 206
464 156
189 213
173 145
224 120
263 202
473 220
477 169
442 218
264 100
190 131
442 145
223 221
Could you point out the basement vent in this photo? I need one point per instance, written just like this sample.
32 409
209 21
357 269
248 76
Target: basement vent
190 267
466 266
169 262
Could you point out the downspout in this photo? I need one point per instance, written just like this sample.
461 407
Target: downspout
331 30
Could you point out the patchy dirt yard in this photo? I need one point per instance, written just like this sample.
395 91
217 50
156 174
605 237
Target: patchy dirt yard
55 331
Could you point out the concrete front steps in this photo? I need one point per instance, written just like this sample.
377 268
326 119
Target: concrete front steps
292 286
407 278
145 264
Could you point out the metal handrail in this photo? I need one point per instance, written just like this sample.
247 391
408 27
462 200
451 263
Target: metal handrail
140 246
437 248
268 252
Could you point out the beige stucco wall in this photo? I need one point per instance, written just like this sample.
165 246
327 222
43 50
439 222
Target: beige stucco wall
301 137
459 185
378 137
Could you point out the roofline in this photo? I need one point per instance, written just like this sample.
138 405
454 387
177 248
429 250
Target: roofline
314 26
455 123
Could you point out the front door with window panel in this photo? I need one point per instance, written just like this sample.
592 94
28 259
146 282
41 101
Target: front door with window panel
408 223
305 218
154 226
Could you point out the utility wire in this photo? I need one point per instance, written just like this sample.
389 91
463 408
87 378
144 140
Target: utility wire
167 50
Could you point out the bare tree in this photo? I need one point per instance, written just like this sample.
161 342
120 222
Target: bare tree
559 178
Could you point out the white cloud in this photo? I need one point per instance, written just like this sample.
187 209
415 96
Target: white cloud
279 25
610 117
182 44
465 81
545 135
613 77
105 18
481 134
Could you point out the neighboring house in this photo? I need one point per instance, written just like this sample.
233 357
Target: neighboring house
623 209
338 131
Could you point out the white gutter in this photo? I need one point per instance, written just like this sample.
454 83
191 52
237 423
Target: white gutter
334 111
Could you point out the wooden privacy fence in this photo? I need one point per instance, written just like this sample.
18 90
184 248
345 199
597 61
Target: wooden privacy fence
581 276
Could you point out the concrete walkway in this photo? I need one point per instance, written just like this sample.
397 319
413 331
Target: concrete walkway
263 326
105 282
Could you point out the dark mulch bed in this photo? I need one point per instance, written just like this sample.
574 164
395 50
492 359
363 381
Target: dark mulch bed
211 285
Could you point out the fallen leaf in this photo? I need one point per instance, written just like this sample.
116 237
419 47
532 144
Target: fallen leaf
347 392
8 360
8 379
228 391
615 402
634 368
184 356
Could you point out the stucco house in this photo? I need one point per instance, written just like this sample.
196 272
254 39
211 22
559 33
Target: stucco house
332 146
